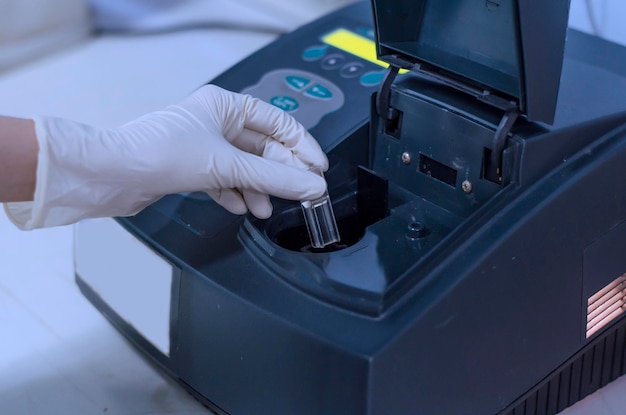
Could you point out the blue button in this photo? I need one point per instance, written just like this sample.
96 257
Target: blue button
372 78
313 53
285 103
297 82
319 91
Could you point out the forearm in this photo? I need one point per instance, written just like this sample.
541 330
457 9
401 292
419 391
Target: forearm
18 159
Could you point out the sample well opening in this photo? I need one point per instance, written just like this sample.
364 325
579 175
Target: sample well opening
354 212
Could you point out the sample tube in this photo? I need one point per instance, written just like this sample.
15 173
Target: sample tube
320 220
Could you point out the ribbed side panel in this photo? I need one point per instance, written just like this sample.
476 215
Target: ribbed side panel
606 305
601 361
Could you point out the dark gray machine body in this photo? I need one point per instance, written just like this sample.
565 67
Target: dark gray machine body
462 284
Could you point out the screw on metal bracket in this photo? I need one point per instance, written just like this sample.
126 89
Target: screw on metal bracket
406 157
467 186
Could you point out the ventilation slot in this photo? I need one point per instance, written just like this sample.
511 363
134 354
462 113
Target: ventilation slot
605 305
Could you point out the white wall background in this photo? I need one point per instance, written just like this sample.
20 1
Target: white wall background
605 18
601 17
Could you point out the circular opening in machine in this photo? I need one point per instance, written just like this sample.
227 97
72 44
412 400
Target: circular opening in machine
288 230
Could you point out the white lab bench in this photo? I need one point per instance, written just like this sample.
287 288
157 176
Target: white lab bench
58 354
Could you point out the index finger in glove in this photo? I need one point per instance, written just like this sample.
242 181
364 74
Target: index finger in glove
260 145
275 178
275 123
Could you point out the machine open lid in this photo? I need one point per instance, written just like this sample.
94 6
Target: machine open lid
508 53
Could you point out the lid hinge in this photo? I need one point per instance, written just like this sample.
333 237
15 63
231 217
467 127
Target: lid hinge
500 139
383 108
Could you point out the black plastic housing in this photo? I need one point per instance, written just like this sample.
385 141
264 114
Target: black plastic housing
456 294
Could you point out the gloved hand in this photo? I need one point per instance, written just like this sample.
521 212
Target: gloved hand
236 148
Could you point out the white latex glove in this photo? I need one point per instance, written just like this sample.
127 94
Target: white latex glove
236 148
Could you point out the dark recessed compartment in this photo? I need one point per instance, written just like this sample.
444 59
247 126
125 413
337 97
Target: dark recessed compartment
437 170
354 212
